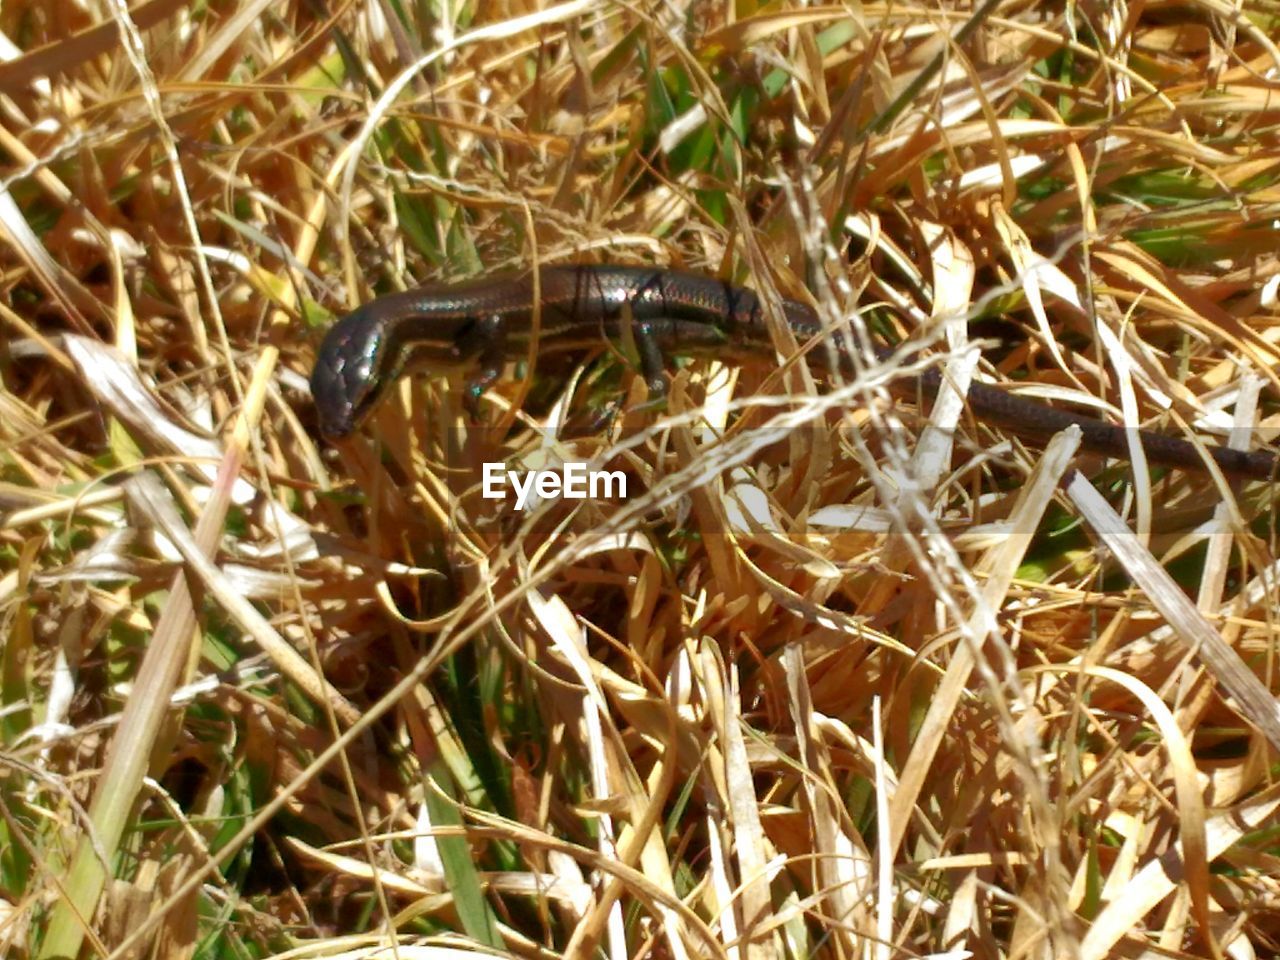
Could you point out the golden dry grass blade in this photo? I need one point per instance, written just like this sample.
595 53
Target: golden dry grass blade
1252 698
68 54
1002 561
149 497
834 679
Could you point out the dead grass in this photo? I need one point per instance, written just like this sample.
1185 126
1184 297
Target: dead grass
778 702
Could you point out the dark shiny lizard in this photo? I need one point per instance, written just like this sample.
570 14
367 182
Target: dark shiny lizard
481 324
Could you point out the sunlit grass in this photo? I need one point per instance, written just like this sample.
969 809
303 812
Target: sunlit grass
639 728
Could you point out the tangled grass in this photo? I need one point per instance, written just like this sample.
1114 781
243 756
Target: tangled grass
839 678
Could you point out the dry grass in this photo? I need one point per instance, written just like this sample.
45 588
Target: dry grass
779 702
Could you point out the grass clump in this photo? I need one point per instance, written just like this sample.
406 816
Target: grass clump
841 676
